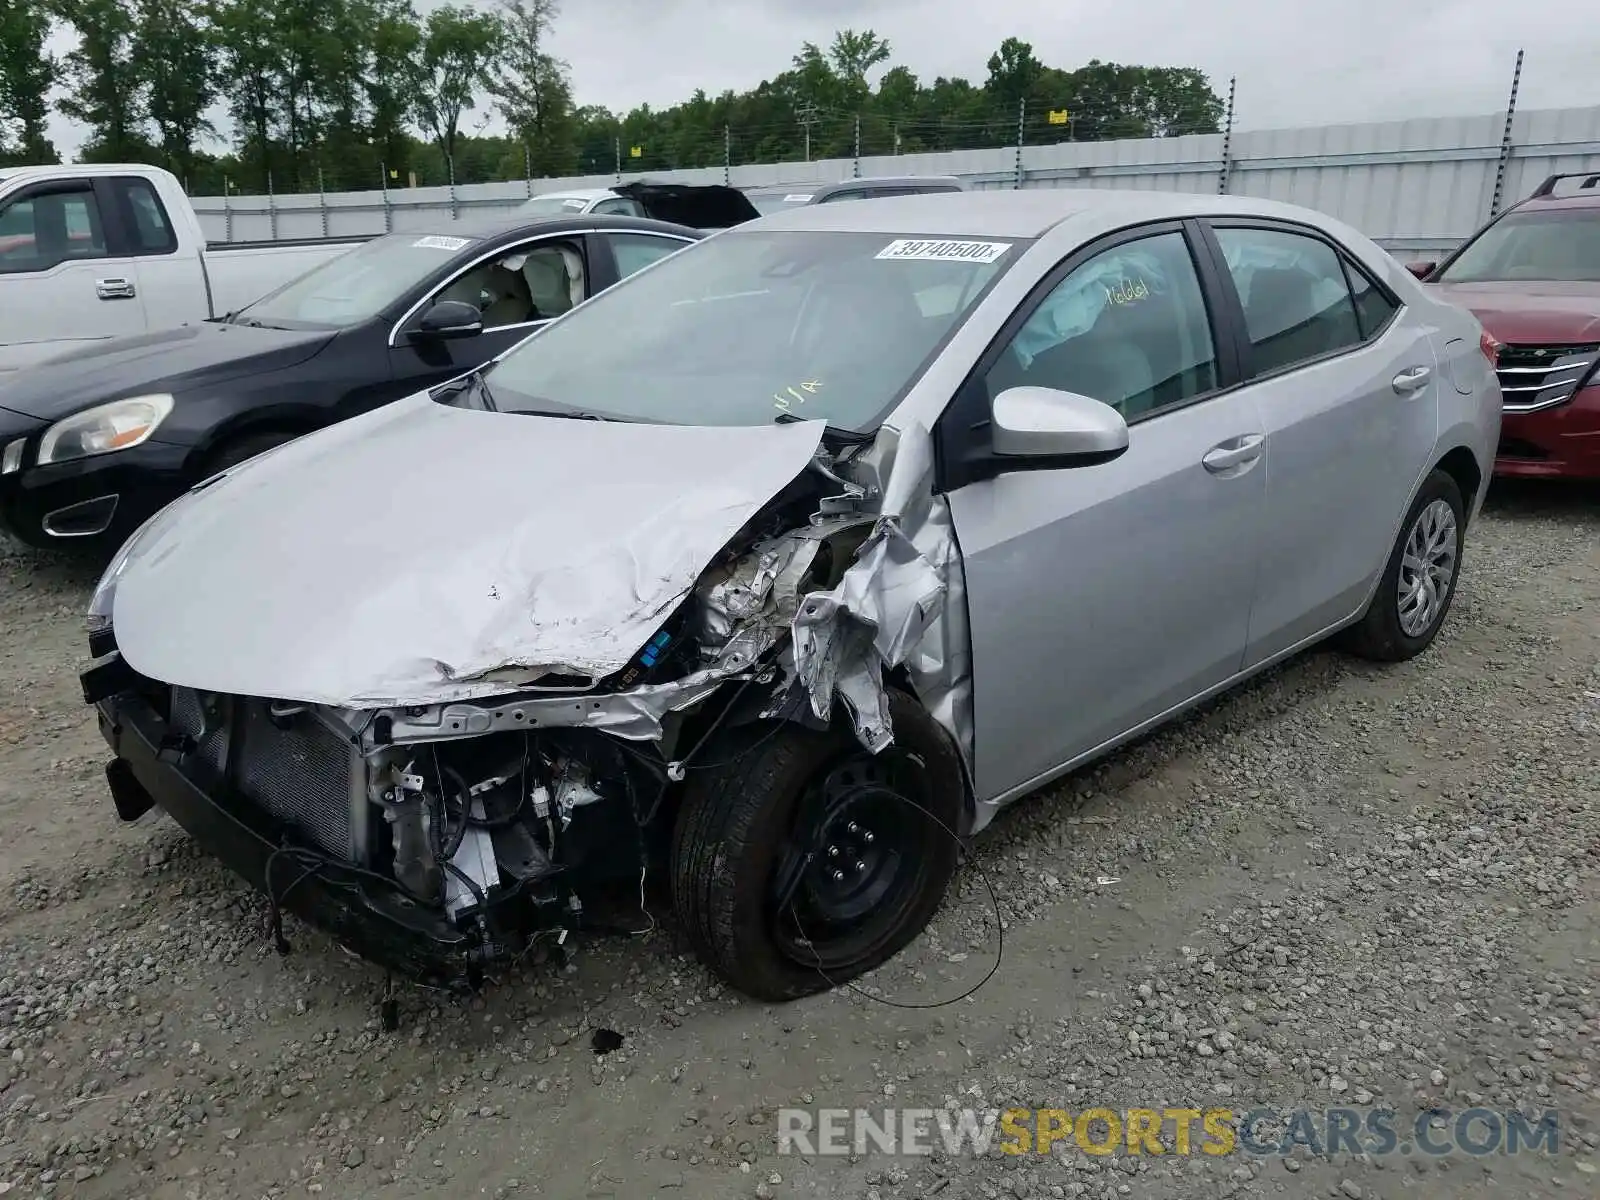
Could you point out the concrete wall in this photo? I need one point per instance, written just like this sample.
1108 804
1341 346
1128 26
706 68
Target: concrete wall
1418 187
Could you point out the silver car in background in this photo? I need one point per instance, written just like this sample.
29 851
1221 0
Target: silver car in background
787 561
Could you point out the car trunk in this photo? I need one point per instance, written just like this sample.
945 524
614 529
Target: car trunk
708 206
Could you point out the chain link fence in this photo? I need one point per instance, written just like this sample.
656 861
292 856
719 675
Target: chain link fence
1416 186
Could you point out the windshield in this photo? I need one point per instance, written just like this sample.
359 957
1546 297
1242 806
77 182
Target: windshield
1558 246
356 285
551 206
778 201
746 327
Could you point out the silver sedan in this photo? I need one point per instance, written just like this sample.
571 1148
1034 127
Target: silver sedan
782 565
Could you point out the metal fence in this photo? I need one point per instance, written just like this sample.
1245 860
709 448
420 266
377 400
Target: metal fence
1417 187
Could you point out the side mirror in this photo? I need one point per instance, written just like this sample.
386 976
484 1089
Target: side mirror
449 319
1037 422
1421 270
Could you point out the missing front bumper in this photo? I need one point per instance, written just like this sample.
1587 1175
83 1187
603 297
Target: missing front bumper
361 910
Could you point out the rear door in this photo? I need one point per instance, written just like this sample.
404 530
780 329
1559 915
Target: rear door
1347 385
65 274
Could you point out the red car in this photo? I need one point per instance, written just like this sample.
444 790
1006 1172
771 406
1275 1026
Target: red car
1532 277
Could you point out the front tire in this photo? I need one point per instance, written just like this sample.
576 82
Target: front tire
1419 582
777 924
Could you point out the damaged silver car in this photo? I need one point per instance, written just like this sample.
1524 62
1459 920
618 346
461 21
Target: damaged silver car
781 566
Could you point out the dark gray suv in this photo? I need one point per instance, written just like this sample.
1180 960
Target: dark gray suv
778 197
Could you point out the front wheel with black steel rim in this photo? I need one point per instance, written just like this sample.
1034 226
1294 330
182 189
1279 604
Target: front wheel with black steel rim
1419 581
800 860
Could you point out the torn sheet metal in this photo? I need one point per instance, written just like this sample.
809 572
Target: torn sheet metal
425 554
901 603
740 613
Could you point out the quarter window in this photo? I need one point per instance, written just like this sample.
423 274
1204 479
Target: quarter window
1373 306
1128 327
1297 303
636 251
150 229
622 206
40 231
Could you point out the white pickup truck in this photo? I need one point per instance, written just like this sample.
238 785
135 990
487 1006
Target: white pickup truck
102 251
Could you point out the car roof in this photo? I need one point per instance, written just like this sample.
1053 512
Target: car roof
1590 200
1027 213
575 194
815 187
513 224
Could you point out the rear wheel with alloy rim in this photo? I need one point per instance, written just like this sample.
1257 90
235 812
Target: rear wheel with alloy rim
1419 581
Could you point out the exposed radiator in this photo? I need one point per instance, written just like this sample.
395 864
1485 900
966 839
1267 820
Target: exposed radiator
307 776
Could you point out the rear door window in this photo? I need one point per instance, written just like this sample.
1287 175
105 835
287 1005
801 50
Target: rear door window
1297 302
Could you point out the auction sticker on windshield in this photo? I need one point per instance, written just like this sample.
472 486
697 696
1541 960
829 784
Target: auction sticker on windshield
440 243
926 250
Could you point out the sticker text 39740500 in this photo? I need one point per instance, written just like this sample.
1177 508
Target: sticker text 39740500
942 250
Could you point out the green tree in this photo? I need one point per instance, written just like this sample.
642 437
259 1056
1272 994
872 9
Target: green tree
1173 101
173 52
248 62
106 86
339 134
459 48
392 80
531 86
1013 72
303 33
853 54
27 73
596 137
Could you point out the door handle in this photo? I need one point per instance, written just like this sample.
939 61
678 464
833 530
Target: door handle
1411 379
114 289
1233 453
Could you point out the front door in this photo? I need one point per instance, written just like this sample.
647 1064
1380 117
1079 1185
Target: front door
1348 397
63 280
1101 596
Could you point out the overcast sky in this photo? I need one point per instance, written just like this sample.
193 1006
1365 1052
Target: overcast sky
1297 63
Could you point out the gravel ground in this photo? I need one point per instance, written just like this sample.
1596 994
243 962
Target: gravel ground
1342 885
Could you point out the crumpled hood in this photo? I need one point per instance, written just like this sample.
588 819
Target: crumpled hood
1529 313
401 557
167 360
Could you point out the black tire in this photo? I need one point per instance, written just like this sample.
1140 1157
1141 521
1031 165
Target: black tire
232 453
737 829
1379 635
